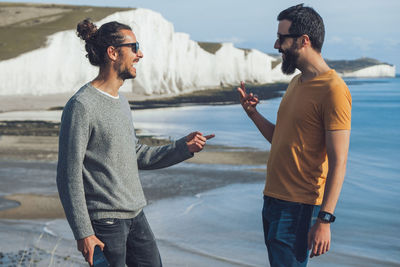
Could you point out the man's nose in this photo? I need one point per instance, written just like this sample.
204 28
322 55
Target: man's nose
277 44
139 53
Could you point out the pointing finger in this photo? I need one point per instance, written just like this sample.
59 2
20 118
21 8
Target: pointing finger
209 136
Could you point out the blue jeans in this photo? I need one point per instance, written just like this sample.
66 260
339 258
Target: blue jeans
286 225
128 241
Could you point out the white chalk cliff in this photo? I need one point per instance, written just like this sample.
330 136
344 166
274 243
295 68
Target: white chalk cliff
381 70
172 62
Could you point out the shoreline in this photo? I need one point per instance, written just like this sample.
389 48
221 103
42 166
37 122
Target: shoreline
216 96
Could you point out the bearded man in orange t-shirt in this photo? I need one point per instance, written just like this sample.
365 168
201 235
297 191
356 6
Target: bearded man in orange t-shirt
309 143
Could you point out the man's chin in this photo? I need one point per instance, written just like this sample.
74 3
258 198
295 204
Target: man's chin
288 70
128 76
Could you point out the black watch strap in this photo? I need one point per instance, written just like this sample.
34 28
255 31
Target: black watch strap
326 217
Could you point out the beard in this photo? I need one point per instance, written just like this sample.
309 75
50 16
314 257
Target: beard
289 62
125 75
123 72
122 68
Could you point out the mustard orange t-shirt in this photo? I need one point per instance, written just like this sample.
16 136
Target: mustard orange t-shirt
297 166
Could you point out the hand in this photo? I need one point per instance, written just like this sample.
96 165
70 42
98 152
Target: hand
248 101
196 141
86 246
319 238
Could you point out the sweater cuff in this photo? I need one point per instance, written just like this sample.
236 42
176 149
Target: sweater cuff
82 233
183 148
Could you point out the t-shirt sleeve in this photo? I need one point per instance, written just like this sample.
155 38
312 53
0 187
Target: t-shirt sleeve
337 108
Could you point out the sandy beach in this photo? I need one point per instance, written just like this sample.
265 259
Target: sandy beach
38 149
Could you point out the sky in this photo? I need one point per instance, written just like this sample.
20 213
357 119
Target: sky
354 28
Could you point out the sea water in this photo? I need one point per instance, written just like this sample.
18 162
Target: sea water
226 222
222 227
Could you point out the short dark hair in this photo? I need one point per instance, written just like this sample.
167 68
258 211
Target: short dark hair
305 20
98 40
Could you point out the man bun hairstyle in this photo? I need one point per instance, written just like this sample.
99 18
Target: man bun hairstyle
86 29
305 20
98 40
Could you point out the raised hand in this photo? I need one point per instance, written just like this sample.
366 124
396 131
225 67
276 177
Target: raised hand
248 101
196 141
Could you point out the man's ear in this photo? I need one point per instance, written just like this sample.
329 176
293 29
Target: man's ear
305 40
112 53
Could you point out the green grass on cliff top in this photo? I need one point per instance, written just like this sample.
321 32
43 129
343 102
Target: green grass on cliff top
31 34
210 47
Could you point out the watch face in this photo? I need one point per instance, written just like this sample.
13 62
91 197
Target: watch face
327 217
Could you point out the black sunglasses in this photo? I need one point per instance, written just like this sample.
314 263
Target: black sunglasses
282 37
134 46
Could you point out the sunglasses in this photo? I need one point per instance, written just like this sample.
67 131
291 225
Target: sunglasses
282 37
134 46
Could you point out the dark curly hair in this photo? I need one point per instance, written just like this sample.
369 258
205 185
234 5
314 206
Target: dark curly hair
305 20
97 40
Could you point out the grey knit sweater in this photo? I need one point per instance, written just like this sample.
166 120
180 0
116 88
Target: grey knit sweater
98 160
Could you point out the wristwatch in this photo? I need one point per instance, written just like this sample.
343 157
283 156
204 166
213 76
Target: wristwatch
326 217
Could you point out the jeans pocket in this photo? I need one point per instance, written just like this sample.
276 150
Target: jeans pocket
106 222
283 218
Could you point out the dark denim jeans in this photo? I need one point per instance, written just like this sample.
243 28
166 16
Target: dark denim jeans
128 241
286 225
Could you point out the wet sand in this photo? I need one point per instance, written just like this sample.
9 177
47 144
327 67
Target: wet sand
43 149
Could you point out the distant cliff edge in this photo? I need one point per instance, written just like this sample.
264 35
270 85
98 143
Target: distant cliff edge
363 67
358 68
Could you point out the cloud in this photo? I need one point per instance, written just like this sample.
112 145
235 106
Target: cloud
336 40
362 44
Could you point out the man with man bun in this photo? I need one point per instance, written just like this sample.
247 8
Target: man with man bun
99 155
